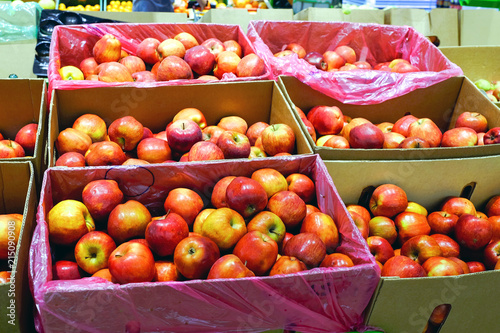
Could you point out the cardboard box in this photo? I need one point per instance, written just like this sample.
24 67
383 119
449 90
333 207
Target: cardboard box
476 62
442 103
306 301
23 102
411 300
19 56
243 17
477 27
155 107
337 14
18 196
440 22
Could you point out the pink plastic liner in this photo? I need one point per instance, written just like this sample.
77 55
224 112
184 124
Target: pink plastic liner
71 44
319 300
380 43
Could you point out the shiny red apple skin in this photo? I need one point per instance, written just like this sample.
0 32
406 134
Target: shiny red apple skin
258 251
132 263
101 197
473 232
287 265
388 200
403 267
195 255
185 202
165 233
307 247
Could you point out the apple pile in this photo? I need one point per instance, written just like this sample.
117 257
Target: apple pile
329 127
492 89
264 224
408 241
23 143
10 228
186 138
344 58
179 57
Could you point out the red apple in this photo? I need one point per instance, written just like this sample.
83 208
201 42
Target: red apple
442 222
171 47
225 227
473 120
126 132
101 197
205 151
153 150
473 232
71 159
107 49
403 267
26 137
458 206
366 136
93 250
380 248
69 140
166 271
307 247
226 62
388 200
440 266
214 45
234 46
218 198
165 233
459 137
384 227
411 224
147 50
402 125
278 138
182 134
326 119
66 270
420 248
269 224
448 245
250 65
258 251
324 226
132 262
174 68
246 196
234 144
287 265
195 255
187 39
128 220
133 63
255 130
289 207
229 267
185 202
105 153
336 260
92 125
271 180
68 221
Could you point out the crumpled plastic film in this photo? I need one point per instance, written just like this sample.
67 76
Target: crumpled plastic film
71 44
18 23
318 300
379 43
